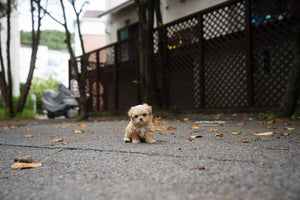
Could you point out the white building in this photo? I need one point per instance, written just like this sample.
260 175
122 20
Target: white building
92 30
49 63
14 48
122 15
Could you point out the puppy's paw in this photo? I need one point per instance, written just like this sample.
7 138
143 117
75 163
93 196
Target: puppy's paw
127 140
151 141
136 141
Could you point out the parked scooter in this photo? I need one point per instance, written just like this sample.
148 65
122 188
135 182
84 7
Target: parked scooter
61 103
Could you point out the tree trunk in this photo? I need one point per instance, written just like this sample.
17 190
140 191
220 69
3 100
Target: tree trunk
35 43
2 77
290 99
9 85
147 75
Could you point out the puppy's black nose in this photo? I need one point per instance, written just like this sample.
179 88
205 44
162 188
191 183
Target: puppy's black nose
141 119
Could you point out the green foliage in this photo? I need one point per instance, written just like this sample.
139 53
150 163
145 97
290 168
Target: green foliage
53 39
38 86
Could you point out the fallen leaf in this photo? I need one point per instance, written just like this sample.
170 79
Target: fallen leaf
186 119
213 130
166 133
201 167
19 165
194 136
289 129
241 124
260 123
58 140
234 115
274 120
164 128
265 134
28 136
284 134
218 134
64 126
23 160
290 123
78 131
28 129
244 141
68 123
236 133
271 127
115 130
195 127
82 125
293 117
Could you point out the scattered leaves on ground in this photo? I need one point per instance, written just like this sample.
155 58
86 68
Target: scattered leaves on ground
244 141
78 131
213 130
9 127
260 123
194 136
195 127
163 133
28 136
164 128
289 129
58 140
265 134
236 133
272 127
290 123
20 165
82 125
274 120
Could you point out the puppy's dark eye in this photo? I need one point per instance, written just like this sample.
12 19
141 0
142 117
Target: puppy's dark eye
144 114
135 116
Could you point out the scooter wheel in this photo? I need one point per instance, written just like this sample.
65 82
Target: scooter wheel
71 113
50 115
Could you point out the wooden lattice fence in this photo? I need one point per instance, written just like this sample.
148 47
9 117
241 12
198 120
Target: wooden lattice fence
236 54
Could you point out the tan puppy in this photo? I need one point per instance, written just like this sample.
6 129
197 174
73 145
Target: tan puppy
140 127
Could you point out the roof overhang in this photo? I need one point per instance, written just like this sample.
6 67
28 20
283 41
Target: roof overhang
117 8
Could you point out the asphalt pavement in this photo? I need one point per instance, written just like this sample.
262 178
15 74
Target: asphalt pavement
225 161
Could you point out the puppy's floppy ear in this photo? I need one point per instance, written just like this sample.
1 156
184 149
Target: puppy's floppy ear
130 112
149 108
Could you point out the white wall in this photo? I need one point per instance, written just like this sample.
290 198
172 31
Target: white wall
14 49
49 63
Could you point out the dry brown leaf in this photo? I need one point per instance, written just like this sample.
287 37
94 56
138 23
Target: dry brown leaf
186 119
23 160
260 123
290 123
194 136
244 141
195 127
236 133
274 120
241 124
218 134
213 130
78 131
28 136
58 140
164 128
64 143
265 134
19 165
289 129
166 133
64 126
82 125
28 129
235 114
271 127
115 130
201 167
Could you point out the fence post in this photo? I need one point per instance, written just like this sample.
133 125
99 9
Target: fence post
97 81
115 77
249 54
201 65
